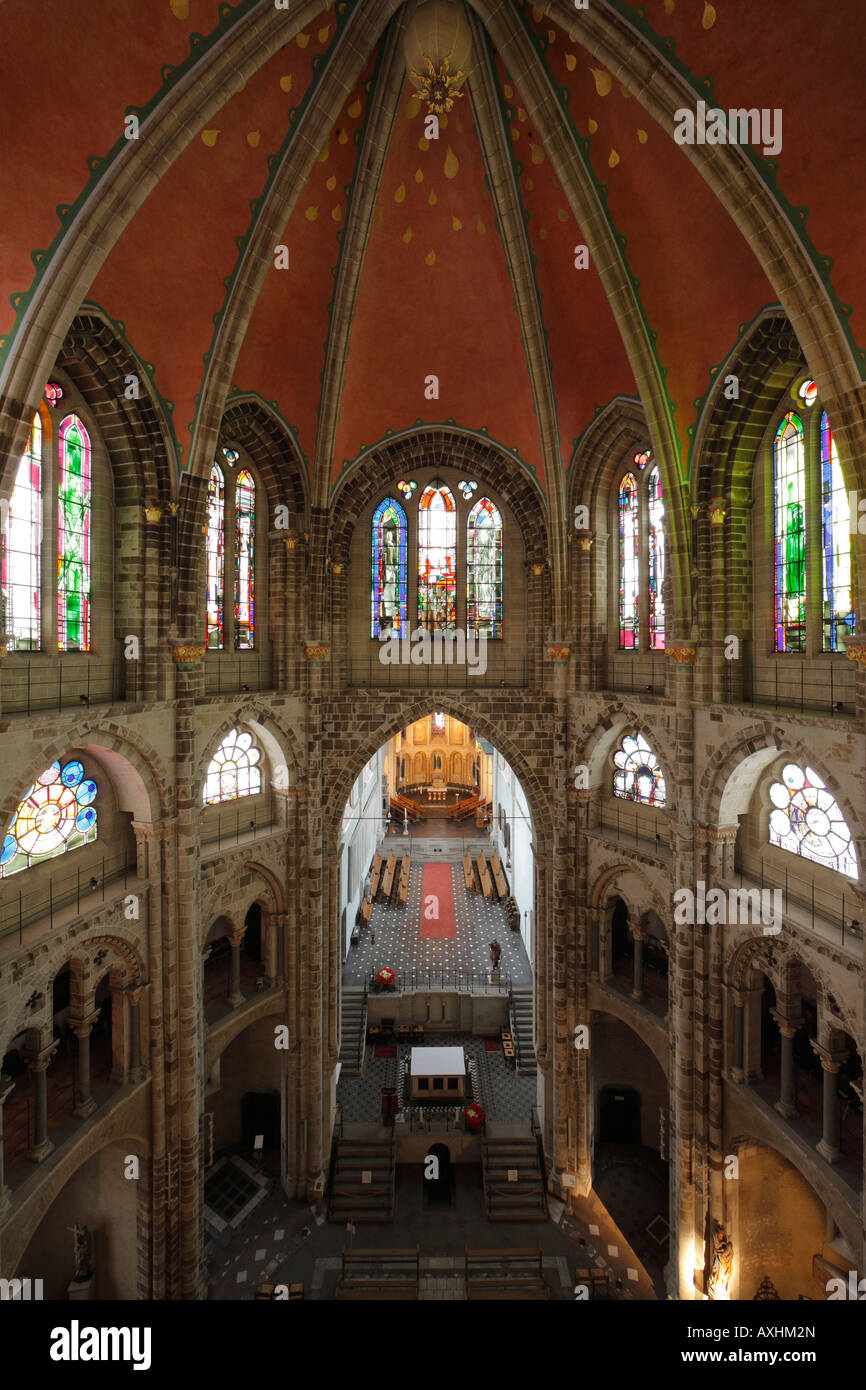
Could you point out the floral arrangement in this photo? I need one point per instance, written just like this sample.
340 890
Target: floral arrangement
385 976
473 1114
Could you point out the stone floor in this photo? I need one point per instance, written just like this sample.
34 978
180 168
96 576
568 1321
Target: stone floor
290 1242
503 1095
399 943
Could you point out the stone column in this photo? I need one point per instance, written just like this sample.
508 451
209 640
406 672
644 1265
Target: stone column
637 934
236 996
82 1029
788 1029
738 1025
828 1146
594 917
7 1085
38 1064
136 1071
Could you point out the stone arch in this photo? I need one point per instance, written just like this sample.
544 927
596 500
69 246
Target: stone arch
272 882
775 961
374 470
619 719
617 429
271 444
132 765
280 744
604 889
404 712
653 1037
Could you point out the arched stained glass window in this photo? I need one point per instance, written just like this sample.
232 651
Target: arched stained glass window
638 776
233 770
437 558
806 820
22 554
628 562
789 475
215 557
389 569
484 569
56 815
656 513
73 537
839 621
245 560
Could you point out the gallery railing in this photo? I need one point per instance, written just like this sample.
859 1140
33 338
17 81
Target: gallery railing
638 673
82 887
507 673
827 684
230 826
822 905
226 673
459 981
30 686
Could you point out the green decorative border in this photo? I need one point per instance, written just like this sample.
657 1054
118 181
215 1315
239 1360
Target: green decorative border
199 44
342 11
583 144
237 395
418 426
766 169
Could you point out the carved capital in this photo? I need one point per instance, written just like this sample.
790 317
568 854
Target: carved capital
856 651
559 654
188 653
317 651
683 656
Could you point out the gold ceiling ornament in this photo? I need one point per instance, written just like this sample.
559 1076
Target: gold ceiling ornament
437 47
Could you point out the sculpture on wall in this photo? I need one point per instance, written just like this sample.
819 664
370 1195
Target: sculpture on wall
82 1253
722 1266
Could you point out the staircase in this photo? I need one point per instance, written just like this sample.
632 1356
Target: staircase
353 1027
522 1029
350 1197
522 1200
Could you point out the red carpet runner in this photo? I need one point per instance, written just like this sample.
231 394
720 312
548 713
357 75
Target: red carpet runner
436 884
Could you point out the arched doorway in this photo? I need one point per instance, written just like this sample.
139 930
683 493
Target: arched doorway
619 1115
260 1110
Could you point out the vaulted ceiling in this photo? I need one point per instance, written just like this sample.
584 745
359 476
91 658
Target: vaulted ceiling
408 257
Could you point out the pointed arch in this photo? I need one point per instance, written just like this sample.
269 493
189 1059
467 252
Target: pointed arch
437 557
215 557
656 548
837 551
389 560
484 569
245 560
22 549
789 532
74 497
629 566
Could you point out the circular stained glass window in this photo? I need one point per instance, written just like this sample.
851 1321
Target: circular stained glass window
56 815
233 771
806 820
638 776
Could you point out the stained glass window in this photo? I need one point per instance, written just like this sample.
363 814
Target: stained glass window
638 776
233 771
656 512
808 392
790 535
437 558
484 569
215 557
839 620
467 488
73 537
438 723
22 587
407 488
628 562
56 815
389 569
245 560
806 820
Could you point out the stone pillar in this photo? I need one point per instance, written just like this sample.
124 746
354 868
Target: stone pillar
788 1029
828 1146
637 935
594 916
738 1025
136 1071
7 1085
82 1029
236 996
38 1064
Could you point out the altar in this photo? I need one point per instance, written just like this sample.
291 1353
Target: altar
438 1071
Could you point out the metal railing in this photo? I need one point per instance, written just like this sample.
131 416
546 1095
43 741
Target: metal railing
76 885
509 672
458 981
638 673
30 686
229 826
821 904
628 827
226 673
785 683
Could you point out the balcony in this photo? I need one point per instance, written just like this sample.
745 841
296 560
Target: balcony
29 686
807 904
66 894
501 670
825 685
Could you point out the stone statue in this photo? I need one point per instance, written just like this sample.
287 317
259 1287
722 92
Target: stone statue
82 1253
495 953
721 1269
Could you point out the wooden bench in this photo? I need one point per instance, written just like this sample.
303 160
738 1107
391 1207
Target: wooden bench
366 911
469 873
484 875
499 877
403 886
375 875
388 876
505 1274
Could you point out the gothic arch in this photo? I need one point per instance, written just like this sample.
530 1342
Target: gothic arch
279 743
601 450
348 765
274 451
605 889
598 744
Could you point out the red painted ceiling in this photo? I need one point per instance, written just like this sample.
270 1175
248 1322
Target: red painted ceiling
435 297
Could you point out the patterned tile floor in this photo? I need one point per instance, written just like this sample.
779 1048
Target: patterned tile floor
399 944
504 1095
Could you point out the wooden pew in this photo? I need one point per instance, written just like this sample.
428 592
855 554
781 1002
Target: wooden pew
499 877
403 886
366 911
375 875
469 873
388 876
484 875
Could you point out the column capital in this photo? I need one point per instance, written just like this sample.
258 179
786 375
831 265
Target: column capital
715 834
636 932
155 830
82 1027
787 1026
135 993
7 1086
236 937
830 1061
684 653
40 1061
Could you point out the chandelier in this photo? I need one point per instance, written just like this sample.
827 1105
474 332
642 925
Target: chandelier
437 47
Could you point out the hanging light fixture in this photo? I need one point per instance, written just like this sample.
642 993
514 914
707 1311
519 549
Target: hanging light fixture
438 46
